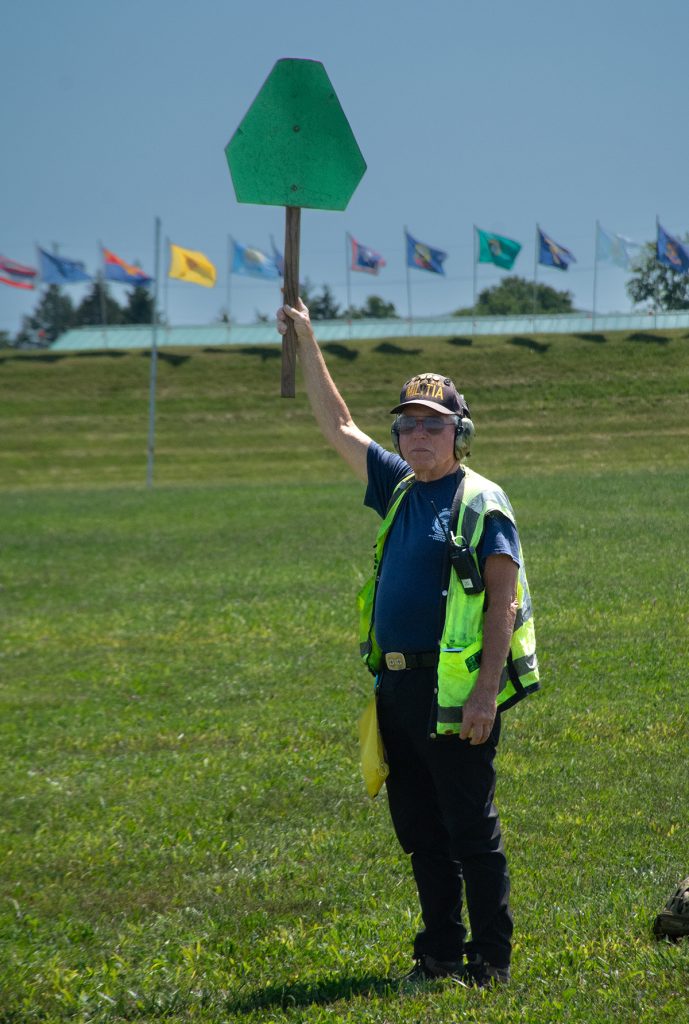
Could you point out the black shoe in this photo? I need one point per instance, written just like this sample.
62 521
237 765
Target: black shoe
479 973
427 968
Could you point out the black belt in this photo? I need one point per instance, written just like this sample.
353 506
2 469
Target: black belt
396 661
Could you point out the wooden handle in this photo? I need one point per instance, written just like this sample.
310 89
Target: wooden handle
289 341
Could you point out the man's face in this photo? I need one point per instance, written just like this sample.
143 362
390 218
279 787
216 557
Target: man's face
430 455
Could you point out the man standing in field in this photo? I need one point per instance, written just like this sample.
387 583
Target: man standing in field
447 629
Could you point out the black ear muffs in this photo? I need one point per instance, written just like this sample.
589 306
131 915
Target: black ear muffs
464 435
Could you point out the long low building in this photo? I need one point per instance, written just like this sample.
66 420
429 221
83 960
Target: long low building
97 339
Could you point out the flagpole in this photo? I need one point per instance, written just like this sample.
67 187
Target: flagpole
154 362
535 276
101 289
595 277
230 250
349 282
406 260
655 304
475 272
165 288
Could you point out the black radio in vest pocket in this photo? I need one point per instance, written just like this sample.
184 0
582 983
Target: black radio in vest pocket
462 559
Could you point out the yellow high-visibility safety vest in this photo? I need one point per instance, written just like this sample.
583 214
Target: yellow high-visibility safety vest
462 638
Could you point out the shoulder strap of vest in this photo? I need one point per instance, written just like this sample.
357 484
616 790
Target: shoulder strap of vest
456 502
447 566
402 486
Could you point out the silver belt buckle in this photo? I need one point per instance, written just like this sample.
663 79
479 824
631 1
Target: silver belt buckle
395 661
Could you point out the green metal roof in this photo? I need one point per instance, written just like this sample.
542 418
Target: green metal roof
98 339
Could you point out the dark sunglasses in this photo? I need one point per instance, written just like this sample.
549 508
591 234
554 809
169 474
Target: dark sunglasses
431 424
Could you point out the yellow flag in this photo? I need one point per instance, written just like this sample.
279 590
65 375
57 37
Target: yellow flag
191 266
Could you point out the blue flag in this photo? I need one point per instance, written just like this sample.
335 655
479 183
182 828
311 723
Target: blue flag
59 270
365 259
252 262
671 252
615 249
551 254
423 257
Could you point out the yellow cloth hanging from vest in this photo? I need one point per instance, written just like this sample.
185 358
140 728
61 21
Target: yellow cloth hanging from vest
374 767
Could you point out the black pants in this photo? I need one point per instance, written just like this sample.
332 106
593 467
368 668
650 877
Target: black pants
441 802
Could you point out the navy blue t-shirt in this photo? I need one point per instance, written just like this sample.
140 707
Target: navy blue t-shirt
408 597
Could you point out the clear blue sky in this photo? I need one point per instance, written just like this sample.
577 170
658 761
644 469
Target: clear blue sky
485 112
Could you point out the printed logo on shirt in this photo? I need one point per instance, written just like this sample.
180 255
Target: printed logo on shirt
440 525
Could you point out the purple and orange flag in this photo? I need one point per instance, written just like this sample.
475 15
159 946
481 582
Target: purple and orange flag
115 269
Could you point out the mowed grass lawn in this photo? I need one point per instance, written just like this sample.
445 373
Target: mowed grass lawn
184 833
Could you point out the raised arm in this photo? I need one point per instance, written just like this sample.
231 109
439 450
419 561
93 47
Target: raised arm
332 415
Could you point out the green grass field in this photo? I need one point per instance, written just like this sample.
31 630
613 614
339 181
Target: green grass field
184 832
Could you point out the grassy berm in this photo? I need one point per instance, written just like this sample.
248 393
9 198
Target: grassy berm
184 832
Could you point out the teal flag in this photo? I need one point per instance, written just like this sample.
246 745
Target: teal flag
497 249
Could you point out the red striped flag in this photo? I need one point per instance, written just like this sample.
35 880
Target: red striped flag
16 274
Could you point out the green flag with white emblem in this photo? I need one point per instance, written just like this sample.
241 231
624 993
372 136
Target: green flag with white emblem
497 249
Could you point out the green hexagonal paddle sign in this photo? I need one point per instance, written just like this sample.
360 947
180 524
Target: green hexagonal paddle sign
295 148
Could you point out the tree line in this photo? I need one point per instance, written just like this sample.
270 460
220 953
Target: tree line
512 297
56 313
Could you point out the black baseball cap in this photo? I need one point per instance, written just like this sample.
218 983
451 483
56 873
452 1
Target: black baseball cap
433 390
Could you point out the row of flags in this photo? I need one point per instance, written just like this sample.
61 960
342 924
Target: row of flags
196 268
192 266
54 269
185 265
